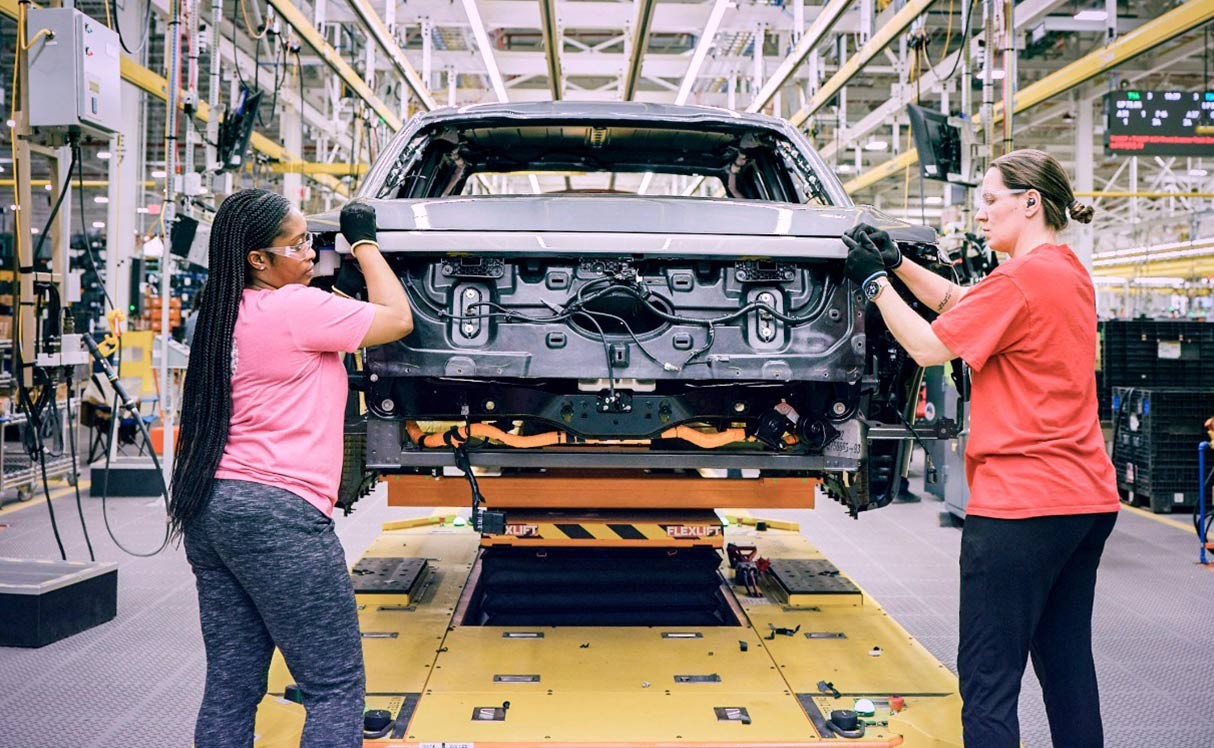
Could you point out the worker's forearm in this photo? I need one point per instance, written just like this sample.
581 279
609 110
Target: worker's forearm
383 287
939 294
911 331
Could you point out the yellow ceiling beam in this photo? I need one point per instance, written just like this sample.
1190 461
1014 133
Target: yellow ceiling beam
827 17
1163 29
312 168
157 86
883 170
303 26
1184 267
879 41
636 50
379 30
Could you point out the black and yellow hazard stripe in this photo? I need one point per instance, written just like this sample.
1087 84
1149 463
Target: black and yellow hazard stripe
598 532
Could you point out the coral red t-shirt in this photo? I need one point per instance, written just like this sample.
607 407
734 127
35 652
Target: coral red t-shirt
289 389
1028 331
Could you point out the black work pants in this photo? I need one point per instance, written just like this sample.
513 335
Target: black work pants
1026 589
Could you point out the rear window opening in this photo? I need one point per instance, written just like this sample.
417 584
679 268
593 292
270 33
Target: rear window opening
595 183
512 158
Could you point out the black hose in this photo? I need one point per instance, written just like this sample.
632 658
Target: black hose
121 399
71 440
84 230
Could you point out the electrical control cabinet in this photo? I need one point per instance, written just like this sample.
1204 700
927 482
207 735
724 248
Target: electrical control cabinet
74 71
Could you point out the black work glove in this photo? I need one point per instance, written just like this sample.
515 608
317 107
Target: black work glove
881 241
350 281
863 262
358 222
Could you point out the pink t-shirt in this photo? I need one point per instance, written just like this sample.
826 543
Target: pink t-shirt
289 389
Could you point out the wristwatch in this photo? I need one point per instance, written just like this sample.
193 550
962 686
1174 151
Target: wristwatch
873 287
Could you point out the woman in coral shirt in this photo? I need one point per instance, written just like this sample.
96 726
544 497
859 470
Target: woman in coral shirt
1043 495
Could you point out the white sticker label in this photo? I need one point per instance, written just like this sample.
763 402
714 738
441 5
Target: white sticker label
847 444
1169 349
1178 498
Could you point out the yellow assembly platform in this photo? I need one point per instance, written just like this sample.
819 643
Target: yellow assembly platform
809 642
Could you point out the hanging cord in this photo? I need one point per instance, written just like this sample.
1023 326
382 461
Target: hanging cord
965 38
248 26
112 6
948 37
88 242
71 440
123 402
31 440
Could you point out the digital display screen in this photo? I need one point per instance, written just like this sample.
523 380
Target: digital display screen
1160 123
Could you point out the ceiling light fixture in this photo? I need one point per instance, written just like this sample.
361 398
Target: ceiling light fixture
876 145
104 155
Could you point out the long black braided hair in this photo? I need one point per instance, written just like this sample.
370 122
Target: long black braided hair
247 220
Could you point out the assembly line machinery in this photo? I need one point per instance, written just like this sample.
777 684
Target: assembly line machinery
599 620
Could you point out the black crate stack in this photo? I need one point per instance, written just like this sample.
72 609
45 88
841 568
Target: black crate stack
1154 353
1155 437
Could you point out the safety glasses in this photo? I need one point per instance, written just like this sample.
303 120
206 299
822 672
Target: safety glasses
294 251
987 198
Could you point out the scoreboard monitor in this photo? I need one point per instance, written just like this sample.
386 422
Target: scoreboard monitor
1160 123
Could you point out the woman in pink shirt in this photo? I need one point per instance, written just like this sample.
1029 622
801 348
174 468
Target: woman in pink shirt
260 455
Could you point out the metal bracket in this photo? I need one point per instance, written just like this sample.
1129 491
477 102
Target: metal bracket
943 428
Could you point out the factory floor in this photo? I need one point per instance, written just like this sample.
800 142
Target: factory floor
137 680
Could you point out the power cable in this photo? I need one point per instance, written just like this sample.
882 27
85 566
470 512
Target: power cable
112 5
965 38
612 397
71 440
123 402
88 242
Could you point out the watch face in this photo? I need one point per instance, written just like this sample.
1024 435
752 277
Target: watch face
871 289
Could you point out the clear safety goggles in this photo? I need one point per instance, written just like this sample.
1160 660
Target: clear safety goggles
296 251
987 198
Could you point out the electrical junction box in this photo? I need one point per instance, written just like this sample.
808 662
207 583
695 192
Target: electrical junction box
74 75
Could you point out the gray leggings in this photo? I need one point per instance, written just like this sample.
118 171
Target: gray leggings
271 572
